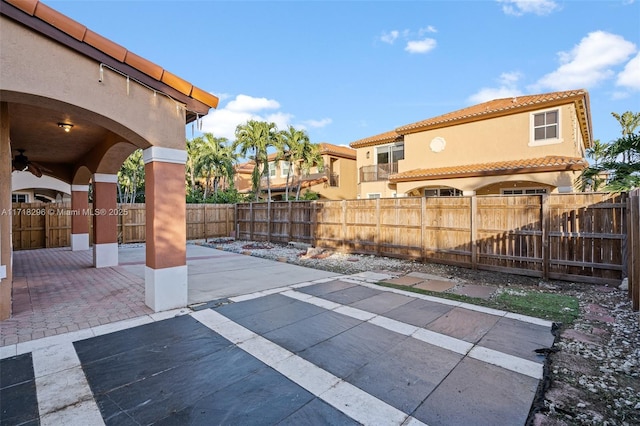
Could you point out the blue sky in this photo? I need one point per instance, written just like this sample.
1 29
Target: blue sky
346 70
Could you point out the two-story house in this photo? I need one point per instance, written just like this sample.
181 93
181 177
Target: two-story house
335 179
521 145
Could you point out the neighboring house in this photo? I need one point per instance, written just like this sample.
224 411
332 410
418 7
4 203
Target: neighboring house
26 188
521 145
336 179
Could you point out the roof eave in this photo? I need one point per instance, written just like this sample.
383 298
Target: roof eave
195 107
484 173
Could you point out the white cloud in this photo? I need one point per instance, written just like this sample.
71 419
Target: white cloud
421 46
521 7
317 123
222 122
507 87
630 76
246 103
390 37
588 63
427 30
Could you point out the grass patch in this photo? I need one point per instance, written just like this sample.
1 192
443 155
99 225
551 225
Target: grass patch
556 307
550 306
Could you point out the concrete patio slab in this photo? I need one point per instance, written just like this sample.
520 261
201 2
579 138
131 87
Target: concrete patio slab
322 350
435 285
472 290
404 280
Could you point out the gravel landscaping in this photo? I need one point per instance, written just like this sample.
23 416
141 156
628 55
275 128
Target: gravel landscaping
594 367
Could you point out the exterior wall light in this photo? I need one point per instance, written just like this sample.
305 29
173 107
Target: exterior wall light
65 126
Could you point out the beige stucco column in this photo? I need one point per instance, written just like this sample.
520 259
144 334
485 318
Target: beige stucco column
166 232
79 221
105 220
6 274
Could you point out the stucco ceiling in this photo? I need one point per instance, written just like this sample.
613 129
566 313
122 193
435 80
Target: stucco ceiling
35 129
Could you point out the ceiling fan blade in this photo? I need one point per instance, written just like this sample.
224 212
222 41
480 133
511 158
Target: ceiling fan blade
40 166
35 170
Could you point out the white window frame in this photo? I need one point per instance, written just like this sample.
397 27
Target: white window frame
25 194
457 192
532 190
272 169
389 147
551 141
284 165
374 195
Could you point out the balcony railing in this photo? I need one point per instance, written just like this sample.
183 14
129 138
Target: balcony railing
377 172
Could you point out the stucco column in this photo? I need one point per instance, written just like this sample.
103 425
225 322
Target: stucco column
6 273
79 221
166 230
105 220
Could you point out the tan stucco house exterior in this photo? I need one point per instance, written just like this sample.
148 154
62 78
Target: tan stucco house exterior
79 104
336 179
520 145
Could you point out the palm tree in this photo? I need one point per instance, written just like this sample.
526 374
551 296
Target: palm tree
620 159
592 179
214 161
253 139
131 178
292 141
190 169
309 156
629 122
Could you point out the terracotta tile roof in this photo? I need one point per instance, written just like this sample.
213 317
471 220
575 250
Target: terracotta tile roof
337 150
490 109
245 167
382 138
533 165
81 33
305 184
501 106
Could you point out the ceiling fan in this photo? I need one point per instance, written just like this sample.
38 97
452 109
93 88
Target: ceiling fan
21 163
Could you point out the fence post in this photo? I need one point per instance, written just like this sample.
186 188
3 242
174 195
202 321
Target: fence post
269 204
290 221
204 221
474 232
236 222
314 224
121 219
252 218
633 245
47 218
545 224
377 236
423 216
344 223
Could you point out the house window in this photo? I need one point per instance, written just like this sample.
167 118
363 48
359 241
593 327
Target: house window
19 198
545 127
390 154
374 195
442 192
284 166
272 169
524 191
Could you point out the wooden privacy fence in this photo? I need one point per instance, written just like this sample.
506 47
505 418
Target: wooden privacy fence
591 237
40 225
576 237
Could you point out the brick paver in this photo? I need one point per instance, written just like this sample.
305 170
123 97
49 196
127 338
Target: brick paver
57 291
